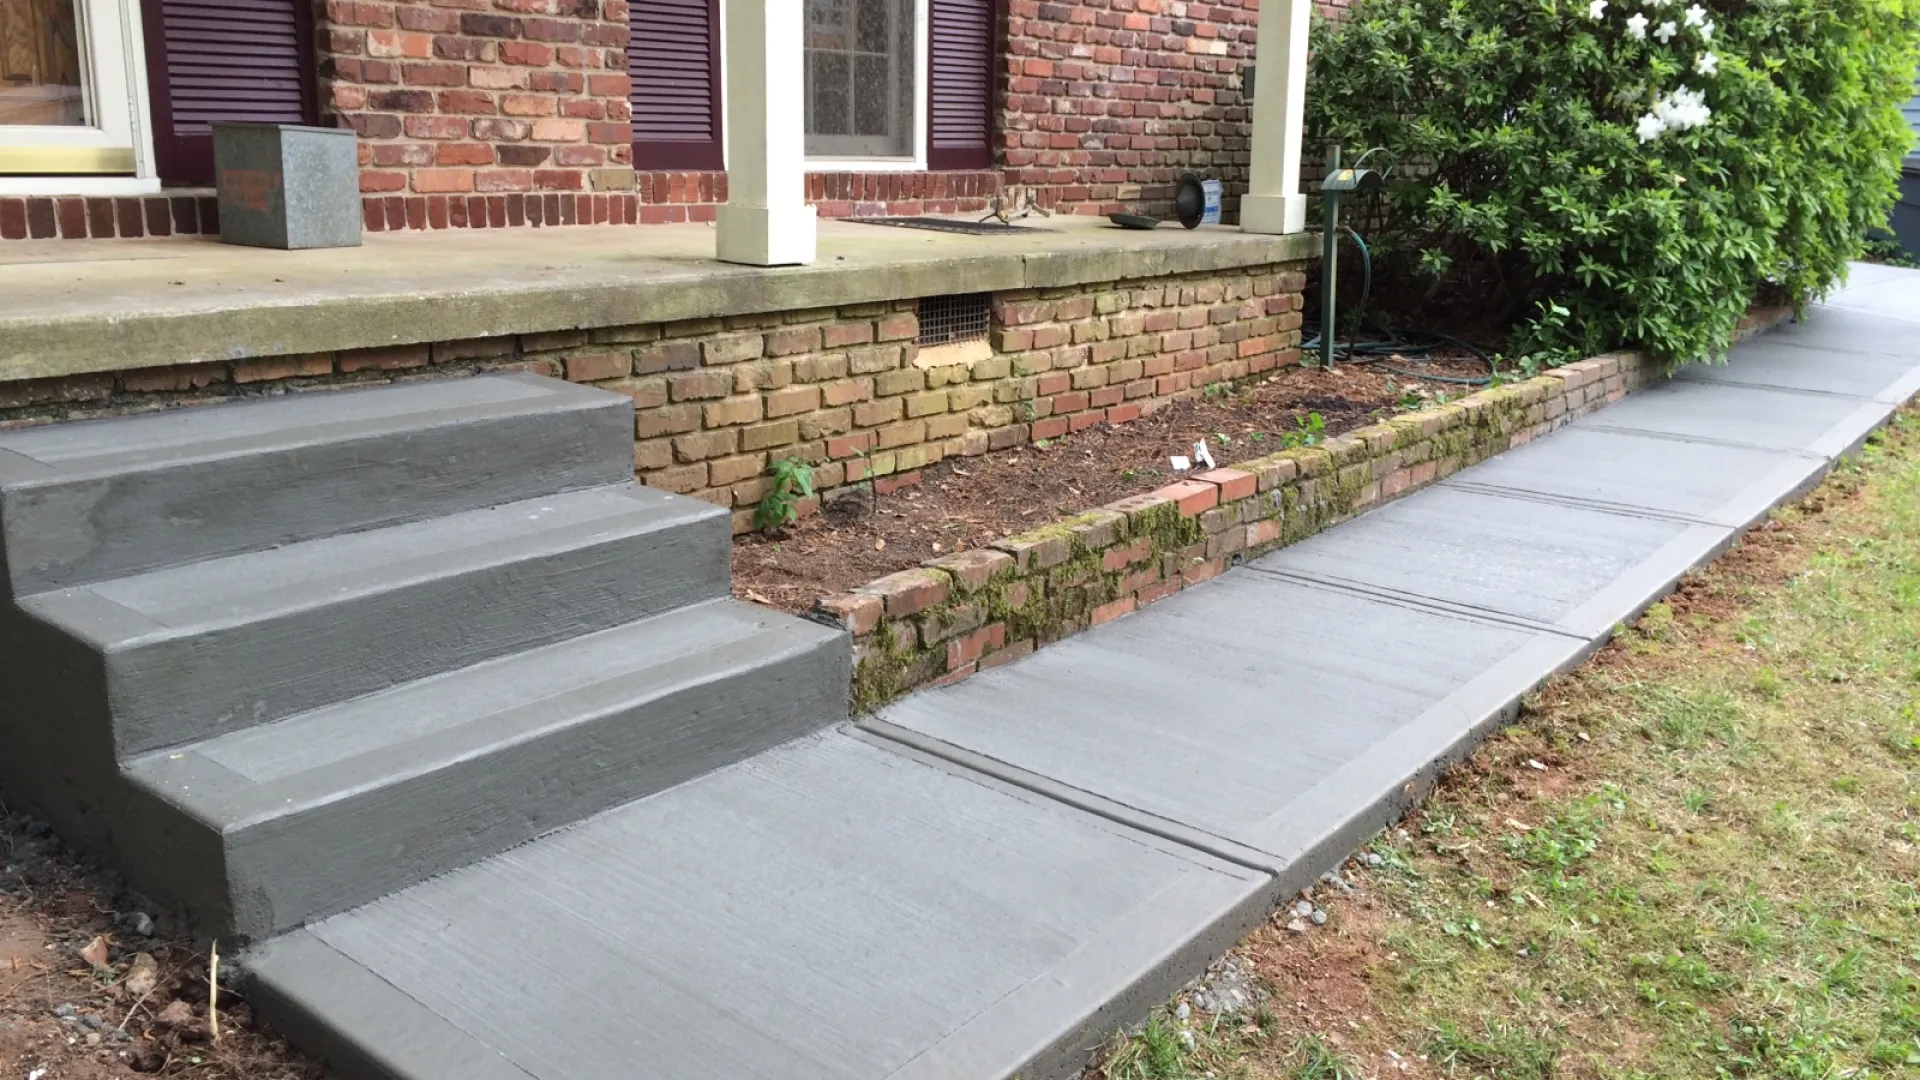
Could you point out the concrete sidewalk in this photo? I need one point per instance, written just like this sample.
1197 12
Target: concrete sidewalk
984 881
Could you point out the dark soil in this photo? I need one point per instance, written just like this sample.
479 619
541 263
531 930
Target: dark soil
62 1017
966 503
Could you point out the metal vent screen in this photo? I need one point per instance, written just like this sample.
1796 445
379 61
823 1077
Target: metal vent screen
948 319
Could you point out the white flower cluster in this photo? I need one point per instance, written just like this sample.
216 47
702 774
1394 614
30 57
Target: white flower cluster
1677 111
1680 109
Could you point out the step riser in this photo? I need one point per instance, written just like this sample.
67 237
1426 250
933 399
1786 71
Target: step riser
351 850
59 530
179 690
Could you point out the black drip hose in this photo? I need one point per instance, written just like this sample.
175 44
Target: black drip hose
1409 344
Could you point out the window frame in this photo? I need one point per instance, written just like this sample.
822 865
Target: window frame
917 162
113 154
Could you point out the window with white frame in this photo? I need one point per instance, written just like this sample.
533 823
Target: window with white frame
863 78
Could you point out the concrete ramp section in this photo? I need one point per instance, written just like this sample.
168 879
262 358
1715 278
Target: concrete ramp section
832 908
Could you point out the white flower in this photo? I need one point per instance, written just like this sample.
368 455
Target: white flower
1637 27
1706 63
1596 10
1696 15
1650 128
1706 30
1682 109
1666 31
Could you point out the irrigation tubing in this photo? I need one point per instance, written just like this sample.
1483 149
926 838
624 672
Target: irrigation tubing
1411 344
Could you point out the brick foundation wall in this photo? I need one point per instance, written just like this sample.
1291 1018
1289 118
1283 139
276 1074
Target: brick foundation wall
77 218
847 389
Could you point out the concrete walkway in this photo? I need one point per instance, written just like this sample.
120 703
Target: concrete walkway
984 881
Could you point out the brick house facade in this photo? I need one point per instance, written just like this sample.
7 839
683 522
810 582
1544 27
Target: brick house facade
515 113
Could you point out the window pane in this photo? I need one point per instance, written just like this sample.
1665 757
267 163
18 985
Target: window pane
860 78
40 63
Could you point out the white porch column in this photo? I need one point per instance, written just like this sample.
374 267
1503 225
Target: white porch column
1273 203
766 220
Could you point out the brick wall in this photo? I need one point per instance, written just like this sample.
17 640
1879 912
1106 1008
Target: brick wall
978 609
76 217
718 400
460 97
1104 103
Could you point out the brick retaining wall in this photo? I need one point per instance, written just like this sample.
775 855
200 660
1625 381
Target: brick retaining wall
976 610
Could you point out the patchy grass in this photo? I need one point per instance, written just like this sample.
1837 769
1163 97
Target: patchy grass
1715 874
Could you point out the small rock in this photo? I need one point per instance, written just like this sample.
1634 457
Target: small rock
176 1014
139 922
1183 1012
65 1011
1298 926
1186 1038
93 1038
1303 908
1337 882
143 974
91 1021
1373 860
1319 918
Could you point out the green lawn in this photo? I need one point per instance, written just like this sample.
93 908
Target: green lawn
1714 874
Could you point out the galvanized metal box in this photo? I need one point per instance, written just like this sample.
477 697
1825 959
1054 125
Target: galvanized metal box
287 186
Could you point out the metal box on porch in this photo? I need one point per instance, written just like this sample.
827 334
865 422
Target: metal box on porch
287 186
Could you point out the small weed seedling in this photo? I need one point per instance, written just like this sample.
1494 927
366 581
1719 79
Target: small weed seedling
792 481
1309 430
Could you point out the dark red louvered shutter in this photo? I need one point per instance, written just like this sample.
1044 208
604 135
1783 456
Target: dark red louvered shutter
673 58
211 60
960 87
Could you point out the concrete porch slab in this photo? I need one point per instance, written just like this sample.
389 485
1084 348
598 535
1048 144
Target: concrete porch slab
195 299
831 908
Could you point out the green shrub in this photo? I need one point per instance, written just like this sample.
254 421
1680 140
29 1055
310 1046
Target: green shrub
1524 182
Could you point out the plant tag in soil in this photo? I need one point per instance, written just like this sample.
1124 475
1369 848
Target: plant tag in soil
1180 464
1203 455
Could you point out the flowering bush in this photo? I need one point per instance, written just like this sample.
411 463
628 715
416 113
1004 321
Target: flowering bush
1624 172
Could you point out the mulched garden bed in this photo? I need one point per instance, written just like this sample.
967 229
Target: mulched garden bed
965 503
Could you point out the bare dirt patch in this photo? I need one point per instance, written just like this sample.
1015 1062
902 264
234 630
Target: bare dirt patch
966 503
95 983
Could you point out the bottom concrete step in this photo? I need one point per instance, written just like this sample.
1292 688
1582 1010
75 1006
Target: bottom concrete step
313 814
831 908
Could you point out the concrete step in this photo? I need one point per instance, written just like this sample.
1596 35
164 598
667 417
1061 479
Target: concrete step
197 651
829 908
316 813
87 502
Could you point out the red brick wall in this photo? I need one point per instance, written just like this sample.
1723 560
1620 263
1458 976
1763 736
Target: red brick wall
460 97
504 113
1104 103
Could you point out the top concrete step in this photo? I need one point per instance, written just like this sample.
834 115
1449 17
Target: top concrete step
85 502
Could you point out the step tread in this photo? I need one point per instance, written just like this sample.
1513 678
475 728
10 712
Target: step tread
256 773
65 452
186 600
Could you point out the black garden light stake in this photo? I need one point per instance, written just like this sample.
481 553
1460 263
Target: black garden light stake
1338 180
